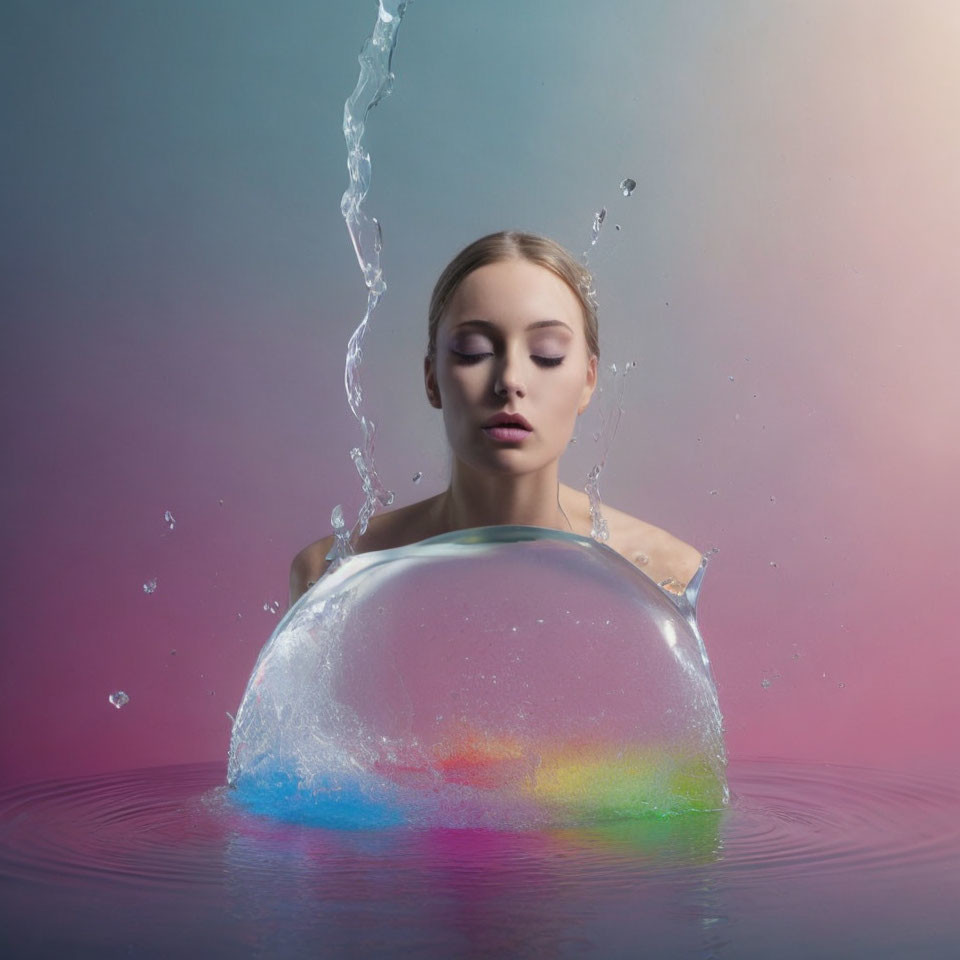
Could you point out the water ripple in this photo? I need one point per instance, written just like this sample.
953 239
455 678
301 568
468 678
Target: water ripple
171 827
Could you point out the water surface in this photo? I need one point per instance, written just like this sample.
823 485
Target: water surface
810 860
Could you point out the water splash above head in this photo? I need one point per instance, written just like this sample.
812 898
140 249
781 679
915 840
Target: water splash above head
610 387
373 85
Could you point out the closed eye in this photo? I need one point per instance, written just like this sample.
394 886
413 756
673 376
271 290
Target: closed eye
470 358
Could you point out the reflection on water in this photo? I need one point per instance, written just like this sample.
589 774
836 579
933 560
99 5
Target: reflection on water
808 861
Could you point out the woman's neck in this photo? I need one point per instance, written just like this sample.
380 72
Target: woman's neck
482 499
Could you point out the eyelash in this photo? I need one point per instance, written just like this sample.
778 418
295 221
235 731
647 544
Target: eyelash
471 358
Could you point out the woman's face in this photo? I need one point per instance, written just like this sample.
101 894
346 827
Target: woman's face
511 343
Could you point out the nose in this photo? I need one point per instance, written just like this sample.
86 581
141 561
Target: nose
509 380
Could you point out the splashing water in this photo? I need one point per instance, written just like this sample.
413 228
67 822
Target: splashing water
374 84
119 699
169 520
610 389
598 219
610 398
150 586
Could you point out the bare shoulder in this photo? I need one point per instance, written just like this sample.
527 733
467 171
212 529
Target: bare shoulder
394 528
661 555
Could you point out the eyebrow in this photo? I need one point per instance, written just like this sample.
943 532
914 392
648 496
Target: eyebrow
530 326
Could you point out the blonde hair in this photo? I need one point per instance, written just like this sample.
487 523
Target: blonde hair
515 245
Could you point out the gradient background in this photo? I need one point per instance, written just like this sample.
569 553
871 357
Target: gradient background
178 289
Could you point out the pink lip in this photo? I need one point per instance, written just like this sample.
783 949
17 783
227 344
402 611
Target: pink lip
508 434
507 420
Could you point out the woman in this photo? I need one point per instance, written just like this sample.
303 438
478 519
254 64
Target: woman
511 363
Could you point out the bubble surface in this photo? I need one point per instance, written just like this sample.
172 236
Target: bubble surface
397 691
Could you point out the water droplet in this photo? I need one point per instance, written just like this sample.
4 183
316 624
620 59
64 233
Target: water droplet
773 499
730 379
598 219
539 619
118 699
773 563
641 559
616 226
713 493
627 186
841 684
220 501
418 476
765 683
168 519
150 586
513 629
272 606
173 653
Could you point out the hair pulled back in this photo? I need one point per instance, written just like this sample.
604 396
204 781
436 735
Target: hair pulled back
515 245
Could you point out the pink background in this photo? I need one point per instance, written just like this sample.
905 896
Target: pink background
178 289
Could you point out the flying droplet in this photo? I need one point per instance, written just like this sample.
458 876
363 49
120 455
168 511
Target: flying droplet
730 379
765 683
598 219
118 699
627 186
168 519
841 684
417 477
616 226
150 586
713 493
773 563
220 501
272 606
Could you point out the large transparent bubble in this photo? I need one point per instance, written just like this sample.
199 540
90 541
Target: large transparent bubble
502 676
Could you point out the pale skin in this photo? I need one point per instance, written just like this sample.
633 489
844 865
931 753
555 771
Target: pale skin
511 340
